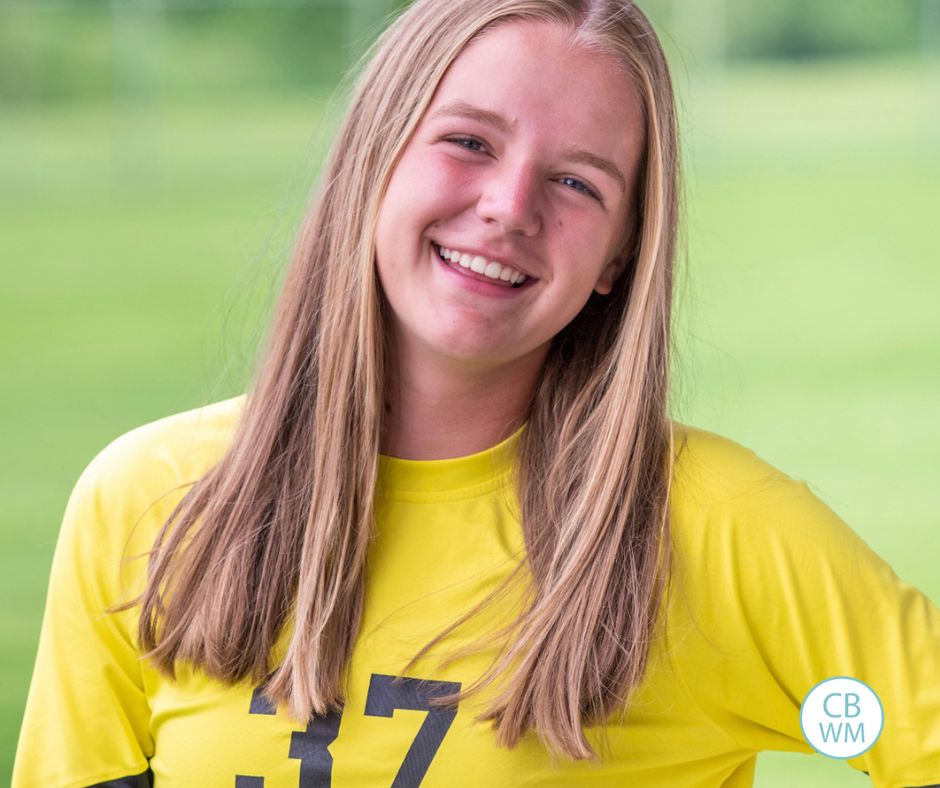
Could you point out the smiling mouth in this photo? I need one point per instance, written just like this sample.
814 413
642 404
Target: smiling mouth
485 270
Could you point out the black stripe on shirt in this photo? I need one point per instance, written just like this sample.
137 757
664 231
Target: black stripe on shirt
142 780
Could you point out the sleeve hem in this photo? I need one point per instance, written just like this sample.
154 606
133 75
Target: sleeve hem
124 774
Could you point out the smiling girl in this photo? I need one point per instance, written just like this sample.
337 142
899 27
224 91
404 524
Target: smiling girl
451 537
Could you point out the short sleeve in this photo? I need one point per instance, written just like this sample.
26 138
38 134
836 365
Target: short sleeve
87 715
787 596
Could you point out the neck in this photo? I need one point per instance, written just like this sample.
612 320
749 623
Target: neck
442 408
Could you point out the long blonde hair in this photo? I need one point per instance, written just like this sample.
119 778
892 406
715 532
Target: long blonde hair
277 533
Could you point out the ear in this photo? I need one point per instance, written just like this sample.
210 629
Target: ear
625 252
613 269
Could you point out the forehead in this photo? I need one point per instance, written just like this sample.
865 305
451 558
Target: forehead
533 75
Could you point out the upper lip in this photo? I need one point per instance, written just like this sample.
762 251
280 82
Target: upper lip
492 256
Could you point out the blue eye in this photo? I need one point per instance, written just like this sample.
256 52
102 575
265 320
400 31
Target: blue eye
579 186
470 143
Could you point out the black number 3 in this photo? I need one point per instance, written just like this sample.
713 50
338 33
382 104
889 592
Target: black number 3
386 694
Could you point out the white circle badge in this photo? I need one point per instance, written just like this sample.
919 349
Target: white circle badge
841 717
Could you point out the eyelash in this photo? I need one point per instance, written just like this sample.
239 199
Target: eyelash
578 185
581 187
462 142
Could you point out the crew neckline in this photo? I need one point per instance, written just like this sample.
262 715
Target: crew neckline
471 474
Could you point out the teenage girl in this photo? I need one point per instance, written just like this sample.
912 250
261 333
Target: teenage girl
451 537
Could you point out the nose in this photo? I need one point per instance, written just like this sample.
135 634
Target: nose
510 198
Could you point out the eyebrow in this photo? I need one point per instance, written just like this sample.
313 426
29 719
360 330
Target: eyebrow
580 156
462 109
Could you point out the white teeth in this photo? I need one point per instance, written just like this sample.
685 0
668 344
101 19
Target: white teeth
492 270
481 265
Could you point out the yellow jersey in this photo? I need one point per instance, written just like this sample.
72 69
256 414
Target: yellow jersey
771 593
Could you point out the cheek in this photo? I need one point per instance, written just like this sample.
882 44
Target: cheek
435 177
384 237
584 246
424 191
454 174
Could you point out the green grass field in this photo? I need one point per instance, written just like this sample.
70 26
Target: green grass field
141 248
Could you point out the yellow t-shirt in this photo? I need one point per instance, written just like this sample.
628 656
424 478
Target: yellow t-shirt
772 593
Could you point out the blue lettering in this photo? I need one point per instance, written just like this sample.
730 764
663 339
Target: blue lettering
857 735
853 704
826 704
833 732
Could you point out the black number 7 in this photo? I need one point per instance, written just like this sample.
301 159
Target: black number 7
386 694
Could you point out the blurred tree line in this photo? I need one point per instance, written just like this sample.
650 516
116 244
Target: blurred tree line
812 29
62 49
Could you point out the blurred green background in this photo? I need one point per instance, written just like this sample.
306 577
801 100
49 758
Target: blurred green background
155 156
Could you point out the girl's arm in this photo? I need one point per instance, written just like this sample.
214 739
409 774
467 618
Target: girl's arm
87 719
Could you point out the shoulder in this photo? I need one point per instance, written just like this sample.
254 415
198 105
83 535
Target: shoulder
715 474
725 497
130 488
740 524
171 451
772 592
711 469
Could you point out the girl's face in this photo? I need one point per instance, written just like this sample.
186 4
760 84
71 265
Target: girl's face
523 165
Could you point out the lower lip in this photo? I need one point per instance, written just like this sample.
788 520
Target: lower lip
478 285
